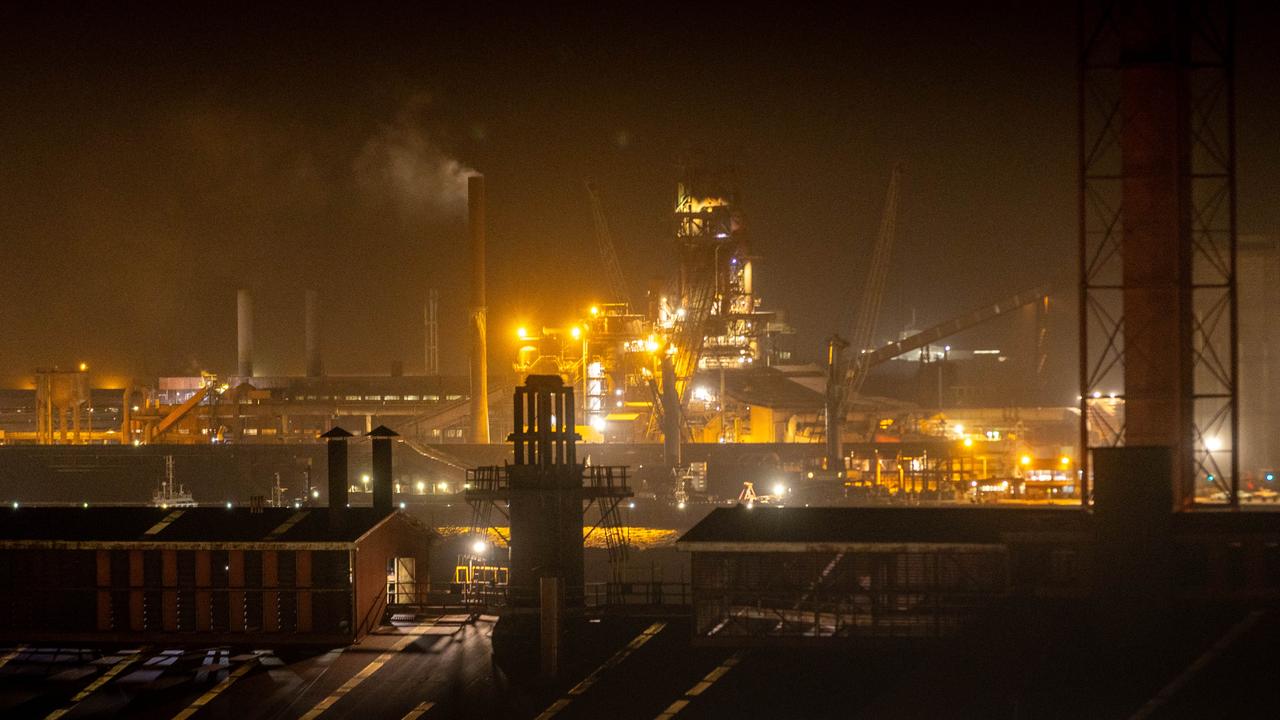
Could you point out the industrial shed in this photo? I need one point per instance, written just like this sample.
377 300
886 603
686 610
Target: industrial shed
206 574
796 574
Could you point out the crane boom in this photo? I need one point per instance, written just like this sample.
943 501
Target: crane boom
608 255
950 327
863 331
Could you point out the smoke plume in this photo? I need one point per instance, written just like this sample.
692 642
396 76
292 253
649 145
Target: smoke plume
403 165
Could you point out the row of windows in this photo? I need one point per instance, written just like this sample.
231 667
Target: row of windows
378 398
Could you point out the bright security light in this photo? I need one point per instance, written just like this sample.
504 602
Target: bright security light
479 547
779 489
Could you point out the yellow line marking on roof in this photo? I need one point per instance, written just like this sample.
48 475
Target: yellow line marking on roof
591 679
374 665
11 655
155 529
702 685
417 712
283 528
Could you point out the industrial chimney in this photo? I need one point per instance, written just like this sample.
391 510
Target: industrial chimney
431 314
315 368
479 345
383 490
336 442
244 333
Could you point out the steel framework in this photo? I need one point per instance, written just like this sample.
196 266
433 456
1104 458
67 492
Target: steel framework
1116 315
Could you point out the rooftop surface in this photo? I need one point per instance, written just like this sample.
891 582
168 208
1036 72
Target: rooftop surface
961 524
199 524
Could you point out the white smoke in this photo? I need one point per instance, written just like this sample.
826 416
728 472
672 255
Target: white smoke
402 164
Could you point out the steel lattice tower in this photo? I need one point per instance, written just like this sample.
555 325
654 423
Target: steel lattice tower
1157 236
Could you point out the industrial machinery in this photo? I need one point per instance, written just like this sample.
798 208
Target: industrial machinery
635 369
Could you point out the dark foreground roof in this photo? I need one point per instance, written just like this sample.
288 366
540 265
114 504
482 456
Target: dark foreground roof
962 524
186 525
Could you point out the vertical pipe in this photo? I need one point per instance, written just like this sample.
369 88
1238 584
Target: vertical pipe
1232 287
1084 463
479 345
244 333
383 490
517 424
432 315
670 414
315 367
833 416
336 444
126 427
570 426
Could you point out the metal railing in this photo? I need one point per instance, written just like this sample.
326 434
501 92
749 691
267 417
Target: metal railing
610 479
638 594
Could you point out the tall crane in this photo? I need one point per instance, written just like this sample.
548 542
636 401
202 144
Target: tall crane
864 326
618 290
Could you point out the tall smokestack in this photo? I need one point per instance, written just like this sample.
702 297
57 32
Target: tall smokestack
315 368
479 345
383 492
244 333
336 441
432 314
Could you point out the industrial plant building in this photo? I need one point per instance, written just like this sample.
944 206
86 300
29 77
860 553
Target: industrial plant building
206 574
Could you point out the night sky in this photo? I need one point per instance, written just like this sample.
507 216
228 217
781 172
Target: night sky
153 158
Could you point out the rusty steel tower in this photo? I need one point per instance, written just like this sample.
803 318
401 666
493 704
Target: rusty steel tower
1157 237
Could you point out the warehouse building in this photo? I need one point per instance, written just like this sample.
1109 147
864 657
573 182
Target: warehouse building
770 575
205 574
